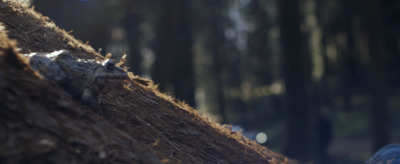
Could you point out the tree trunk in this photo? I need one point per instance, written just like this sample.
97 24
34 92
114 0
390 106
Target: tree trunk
173 67
183 77
380 129
131 23
165 44
294 71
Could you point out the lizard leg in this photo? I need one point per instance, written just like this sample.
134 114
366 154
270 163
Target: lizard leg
88 97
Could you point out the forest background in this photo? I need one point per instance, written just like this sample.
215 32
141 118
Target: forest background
316 80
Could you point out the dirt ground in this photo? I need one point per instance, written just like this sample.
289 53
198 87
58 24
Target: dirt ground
41 123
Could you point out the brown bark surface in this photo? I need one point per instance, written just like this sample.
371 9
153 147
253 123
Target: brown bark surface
41 123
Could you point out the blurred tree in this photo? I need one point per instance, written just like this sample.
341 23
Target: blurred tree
173 46
262 65
319 118
217 57
183 78
294 71
390 15
165 44
231 55
339 55
131 21
380 131
260 50
215 40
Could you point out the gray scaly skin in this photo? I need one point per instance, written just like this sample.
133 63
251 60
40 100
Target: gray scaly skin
83 79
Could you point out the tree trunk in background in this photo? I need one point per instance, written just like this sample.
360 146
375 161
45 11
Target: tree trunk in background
165 44
131 23
319 117
294 71
209 40
260 62
345 45
174 65
380 129
216 39
183 75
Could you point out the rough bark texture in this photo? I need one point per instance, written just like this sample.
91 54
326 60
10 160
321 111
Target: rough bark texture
40 123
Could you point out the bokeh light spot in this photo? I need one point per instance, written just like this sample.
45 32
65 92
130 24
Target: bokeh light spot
261 137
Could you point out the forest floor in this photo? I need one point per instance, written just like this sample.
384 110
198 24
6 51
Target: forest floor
350 151
352 142
41 123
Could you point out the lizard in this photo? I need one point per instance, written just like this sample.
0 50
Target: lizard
84 79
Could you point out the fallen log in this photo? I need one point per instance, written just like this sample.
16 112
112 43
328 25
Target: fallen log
41 123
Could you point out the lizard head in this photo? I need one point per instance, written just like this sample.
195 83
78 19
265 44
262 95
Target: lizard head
108 74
